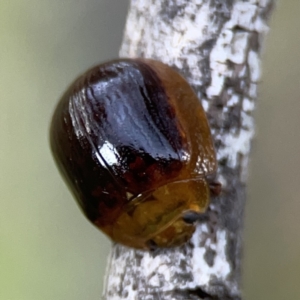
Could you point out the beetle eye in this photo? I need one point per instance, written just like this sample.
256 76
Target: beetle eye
191 217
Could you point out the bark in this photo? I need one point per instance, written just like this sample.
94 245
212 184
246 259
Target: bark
215 45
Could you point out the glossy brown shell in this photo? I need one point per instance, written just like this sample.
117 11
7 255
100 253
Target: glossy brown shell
133 143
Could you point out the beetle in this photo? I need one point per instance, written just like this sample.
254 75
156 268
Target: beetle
133 143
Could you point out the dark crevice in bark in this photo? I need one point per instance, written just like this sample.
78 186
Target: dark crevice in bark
199 294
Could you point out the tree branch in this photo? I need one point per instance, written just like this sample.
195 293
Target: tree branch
215 45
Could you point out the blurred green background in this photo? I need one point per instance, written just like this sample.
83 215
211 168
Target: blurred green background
47 248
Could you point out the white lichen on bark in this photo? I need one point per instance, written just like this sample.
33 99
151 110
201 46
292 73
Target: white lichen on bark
215 45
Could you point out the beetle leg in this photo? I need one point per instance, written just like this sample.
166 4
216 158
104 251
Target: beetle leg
152 246
215 188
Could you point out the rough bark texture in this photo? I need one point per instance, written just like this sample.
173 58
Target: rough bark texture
215 45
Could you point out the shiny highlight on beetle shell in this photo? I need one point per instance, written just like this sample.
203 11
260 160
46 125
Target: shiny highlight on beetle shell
133 143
